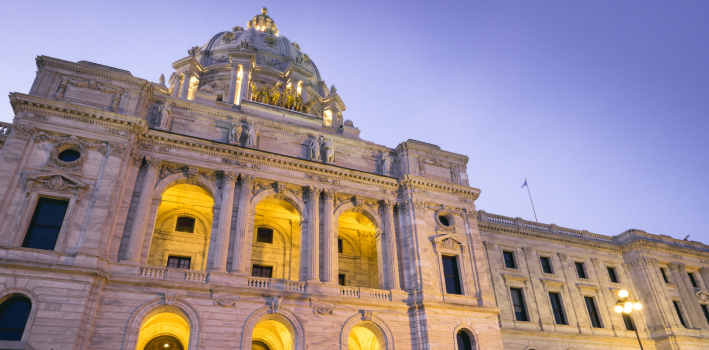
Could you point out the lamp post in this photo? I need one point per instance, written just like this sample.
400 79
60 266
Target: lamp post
626 306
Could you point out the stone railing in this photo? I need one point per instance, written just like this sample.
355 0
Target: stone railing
196 276
694 332
365 293
153 272
548 228
259 282
294 286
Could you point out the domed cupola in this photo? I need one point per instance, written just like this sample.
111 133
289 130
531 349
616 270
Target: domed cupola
257 64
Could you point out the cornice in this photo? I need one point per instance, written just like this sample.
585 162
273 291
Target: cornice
436 153
639 244
43 61
551 237
419 182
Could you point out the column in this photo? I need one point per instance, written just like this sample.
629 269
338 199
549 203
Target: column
140 222
392 261
222 245
239 266
329 266
185 85
704 272
679 275
313 269
176 88
232 83
245 79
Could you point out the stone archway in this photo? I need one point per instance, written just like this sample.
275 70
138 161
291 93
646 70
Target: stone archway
285 318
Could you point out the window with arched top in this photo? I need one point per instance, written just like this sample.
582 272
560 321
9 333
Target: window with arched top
14 313
464 341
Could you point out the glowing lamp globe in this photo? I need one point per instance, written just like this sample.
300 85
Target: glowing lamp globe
637 306
623 293
618 309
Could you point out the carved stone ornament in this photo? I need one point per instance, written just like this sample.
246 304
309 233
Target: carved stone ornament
57 182
225 302
488 245
702 295
367 314
275 305
675 265
322 179
67 142
562 256
239 164
447 242
527 251
22 131
439 225
170 298
323 311
596 262
116 92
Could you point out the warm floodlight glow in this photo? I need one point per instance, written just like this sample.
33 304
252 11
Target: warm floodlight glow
618 309
327 117
628 305
166 345
623 293
637 306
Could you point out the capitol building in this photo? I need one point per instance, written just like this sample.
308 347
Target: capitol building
233 205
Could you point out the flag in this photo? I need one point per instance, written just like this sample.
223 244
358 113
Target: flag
525 183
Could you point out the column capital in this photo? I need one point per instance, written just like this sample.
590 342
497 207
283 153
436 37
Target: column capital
387 204
562 256
313 191
235 65
246 67
328 193
153 163
230 177
246 179
135 159
704 271
676 266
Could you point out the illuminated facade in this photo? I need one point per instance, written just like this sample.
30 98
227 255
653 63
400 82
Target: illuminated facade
233 207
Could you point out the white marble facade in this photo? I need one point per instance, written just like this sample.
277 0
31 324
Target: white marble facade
246 136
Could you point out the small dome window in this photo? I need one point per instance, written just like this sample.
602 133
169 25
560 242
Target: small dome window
185 224
69 155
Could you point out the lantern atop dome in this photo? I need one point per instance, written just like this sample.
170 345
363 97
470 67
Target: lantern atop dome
263 23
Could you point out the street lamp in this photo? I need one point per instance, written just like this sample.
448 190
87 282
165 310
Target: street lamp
626 306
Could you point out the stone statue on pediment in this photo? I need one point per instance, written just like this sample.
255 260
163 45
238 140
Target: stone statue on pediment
386 165
329 151
162 80
314 149
165 110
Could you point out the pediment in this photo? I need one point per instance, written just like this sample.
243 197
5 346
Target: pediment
56 181
447 241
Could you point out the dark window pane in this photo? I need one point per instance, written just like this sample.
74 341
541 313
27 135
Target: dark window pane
580 270
443 220
341 279
679 313
546 265
46 224
185 224
450 275
13 317
664 276
706 312
593 312
628 322
69 155
509 259
264 235
691 279
261 271
612 275
339 245
178 262
555 300
518 304
463 340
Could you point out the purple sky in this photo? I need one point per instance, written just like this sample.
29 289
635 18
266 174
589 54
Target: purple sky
601 105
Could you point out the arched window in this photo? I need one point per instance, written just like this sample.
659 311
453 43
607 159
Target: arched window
13 317
463 340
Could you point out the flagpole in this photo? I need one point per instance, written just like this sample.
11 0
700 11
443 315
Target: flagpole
530 200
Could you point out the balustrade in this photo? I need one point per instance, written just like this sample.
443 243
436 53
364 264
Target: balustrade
153 272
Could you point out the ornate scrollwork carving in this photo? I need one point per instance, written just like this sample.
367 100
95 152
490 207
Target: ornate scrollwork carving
239 164
527 251
440 226
170 298
275 305
596 262
367 314
209 175
225 302
488 245
167 170
58 182
676 265
92 85
322 179
562 256
323 311
229 176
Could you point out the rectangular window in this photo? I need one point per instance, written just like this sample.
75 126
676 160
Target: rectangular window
559 316
691 279
341 279
664 275
178 262
262 271
339 245
264 235
450 274
518 304
46 223
628 322
546 264
185 224
593 312
509 259
679 313
612 275
580 270
706 312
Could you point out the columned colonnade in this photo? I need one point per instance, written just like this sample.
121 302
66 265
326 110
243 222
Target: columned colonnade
386 238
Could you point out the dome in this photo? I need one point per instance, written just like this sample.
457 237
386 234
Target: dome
261 36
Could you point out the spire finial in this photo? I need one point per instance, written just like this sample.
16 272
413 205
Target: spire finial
264 10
